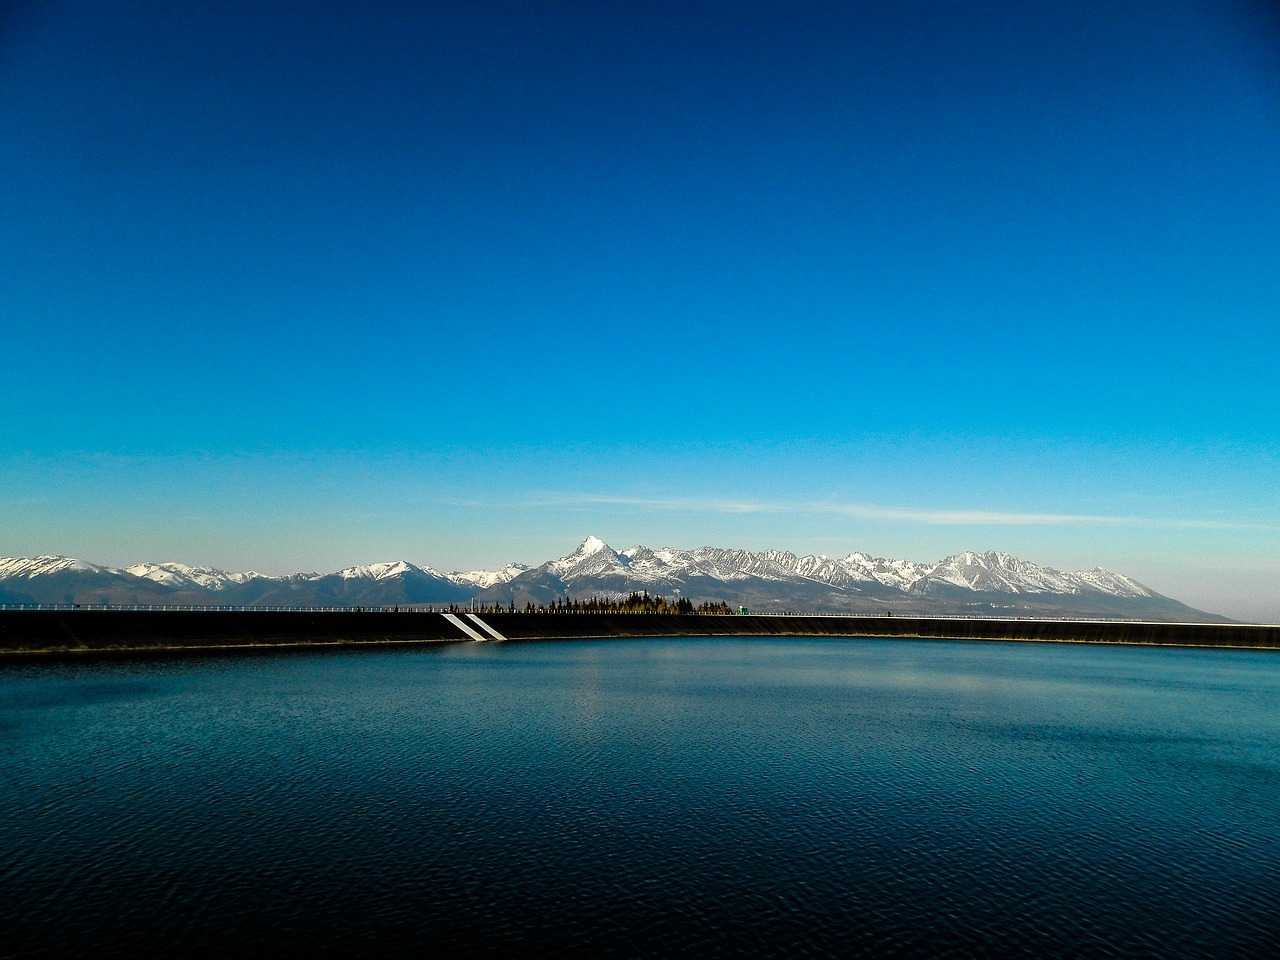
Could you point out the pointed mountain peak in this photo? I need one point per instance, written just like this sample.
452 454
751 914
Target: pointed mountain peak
591 545
593 556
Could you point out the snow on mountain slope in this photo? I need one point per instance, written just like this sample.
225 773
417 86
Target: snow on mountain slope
41 566
899 574
377 571
1000 572
997 571
1113 583
592 544
180 575
657 566
593 558
487 578
732 565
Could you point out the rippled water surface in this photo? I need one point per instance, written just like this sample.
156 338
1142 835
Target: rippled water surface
647 798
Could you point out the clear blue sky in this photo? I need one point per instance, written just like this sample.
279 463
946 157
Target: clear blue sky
298 285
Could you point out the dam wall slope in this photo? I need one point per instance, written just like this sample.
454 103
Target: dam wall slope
78 632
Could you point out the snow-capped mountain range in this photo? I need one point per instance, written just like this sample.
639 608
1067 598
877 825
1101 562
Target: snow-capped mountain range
765 581
182 576
990 571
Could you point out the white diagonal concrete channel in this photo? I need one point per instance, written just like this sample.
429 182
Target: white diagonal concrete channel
485 627
457 622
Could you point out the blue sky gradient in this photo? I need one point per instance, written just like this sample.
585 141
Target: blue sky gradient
297 285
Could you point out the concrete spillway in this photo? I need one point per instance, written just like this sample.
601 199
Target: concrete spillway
25 633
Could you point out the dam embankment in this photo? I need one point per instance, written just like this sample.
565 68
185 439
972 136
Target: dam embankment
58 633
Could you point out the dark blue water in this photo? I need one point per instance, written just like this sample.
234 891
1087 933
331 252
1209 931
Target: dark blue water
647 798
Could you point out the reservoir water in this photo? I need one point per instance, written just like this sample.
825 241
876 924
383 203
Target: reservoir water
707 797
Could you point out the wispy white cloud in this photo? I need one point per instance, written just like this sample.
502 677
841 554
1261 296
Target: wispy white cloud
865 511
676 503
